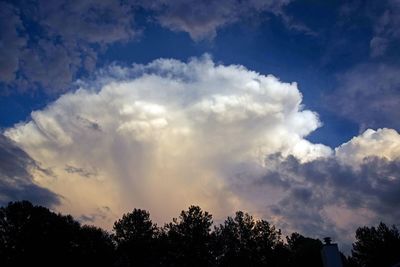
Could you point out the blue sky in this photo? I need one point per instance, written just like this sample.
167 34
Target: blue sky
343 55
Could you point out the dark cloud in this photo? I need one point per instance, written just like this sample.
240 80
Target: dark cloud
10 41
89 124
386 28
381 17
16 182
202 19
309 188
47 44
369 94
91 21
81 171
100 213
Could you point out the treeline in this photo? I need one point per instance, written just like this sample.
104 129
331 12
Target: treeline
34 236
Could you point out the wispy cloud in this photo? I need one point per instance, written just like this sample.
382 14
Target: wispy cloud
369 94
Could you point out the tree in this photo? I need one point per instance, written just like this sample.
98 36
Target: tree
236 241
242 241
269 244
35 236
304 251
377 247
135 235
188 239
96 247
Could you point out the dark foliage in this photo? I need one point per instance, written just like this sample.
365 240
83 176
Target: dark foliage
377 246
304 251
187 240
35 236
242 241
136 239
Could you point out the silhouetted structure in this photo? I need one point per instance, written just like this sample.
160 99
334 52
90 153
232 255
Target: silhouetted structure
330 254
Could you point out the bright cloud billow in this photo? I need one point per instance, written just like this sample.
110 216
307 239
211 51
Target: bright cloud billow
169 134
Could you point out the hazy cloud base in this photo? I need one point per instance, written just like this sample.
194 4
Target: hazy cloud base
16 179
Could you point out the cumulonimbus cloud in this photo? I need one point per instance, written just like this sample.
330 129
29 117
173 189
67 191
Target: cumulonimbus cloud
166 135
169 134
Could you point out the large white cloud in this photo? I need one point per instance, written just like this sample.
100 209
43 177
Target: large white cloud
165 135
383 143
169 134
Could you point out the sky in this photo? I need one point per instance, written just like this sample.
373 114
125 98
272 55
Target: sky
286 109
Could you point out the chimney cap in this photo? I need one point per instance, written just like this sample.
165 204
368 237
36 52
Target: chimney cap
328 240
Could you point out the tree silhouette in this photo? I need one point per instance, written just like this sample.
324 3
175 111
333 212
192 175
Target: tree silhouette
304 251
236 241
188 239
135 236
242 241
34 236
378 246
96 247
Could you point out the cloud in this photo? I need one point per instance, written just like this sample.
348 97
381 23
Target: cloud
386 28
80 171
47 44
168 134
16 181
331 196
98 22
369 95
384 143
10 43
202 19
384 19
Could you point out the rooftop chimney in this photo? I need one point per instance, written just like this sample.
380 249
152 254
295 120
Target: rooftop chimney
330 254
